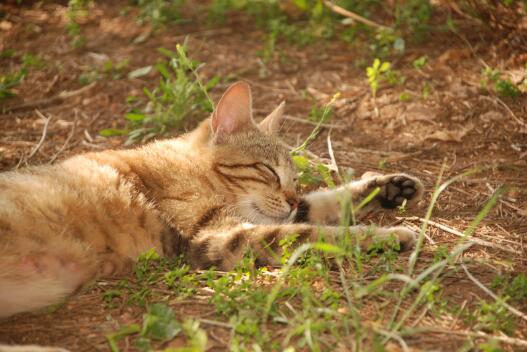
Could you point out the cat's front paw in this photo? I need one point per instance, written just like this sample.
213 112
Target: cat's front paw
395 189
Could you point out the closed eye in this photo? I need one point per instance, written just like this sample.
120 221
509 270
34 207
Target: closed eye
271 170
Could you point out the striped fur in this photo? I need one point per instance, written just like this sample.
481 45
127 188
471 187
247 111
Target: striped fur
209 195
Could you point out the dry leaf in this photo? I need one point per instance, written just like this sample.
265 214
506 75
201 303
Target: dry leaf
491 116
450 136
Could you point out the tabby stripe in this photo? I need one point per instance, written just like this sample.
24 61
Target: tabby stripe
236 241
237 166
271 240
304 235
302 212
226 180
206 181
242 178
206 218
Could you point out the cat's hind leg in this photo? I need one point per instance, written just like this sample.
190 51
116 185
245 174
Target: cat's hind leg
36 279
224 247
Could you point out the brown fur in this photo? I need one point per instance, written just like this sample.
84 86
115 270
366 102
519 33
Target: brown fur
209 195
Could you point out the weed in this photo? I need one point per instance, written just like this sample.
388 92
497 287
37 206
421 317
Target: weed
77 10
9 81
420 62
33 61
493 317
376 73
386 42
426 90
503 86
7 53
413 16
179 97
514 288
441 253
159 12
405 96
317 114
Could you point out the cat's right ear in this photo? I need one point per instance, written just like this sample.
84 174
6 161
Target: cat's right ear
272 123
233 114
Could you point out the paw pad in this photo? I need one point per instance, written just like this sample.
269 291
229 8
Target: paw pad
397 189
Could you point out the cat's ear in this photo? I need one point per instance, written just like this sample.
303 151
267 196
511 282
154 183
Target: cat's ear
272 123
233 113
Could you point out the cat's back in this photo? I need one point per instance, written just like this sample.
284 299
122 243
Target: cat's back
85 200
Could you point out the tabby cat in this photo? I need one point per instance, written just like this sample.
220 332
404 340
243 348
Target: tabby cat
209 195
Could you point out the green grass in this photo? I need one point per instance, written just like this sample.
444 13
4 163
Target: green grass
317 299
179 97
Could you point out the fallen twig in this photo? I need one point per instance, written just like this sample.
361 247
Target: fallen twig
68 139
352 15
501 338
42 138
496 100
493 295
461 234
326 125
334 165
215 323
44 102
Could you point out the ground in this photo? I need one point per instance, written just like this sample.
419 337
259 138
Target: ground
456 127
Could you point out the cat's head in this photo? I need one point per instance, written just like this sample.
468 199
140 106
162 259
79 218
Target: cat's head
255 168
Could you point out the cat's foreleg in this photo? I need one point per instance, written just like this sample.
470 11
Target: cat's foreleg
324 206
224 247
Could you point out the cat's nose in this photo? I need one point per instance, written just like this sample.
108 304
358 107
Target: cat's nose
292 200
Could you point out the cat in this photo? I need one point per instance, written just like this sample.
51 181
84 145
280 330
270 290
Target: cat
209 195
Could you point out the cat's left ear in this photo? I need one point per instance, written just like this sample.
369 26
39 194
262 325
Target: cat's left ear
272 123
233 114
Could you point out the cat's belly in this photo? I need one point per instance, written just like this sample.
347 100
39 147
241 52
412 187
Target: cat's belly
79 211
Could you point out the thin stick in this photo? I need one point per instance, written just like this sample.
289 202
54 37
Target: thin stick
460 234
502 103
215 323
68 139
506 339
44 102
493 295
326 125
305 151
334 165
43 137
352 15
392 335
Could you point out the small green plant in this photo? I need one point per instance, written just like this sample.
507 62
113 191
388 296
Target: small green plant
412 16
317 114
386 42
33 61
7 53
179 97
503 86
494 317
441 253
513 287
9 81
77 9
159 12
376 73
420 62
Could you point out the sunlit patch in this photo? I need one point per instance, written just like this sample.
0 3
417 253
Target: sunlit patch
247 226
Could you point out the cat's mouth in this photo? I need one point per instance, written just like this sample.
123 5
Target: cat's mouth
285 217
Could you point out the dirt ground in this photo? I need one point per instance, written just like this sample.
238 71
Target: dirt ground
457 128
